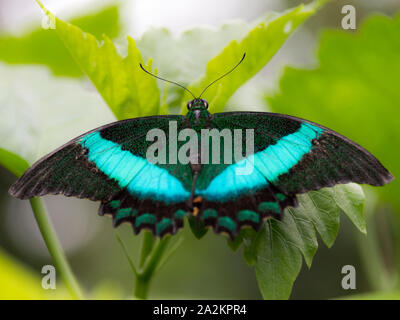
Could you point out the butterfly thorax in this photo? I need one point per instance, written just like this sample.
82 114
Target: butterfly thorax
198 115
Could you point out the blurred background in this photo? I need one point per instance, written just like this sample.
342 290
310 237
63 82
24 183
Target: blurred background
44 94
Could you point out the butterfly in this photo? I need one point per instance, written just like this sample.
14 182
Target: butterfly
289 156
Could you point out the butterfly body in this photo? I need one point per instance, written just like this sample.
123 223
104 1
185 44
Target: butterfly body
110 164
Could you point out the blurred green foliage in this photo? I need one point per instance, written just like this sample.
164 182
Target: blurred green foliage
127 90
260 44
354 91
392 295
21 283
341 81
45 48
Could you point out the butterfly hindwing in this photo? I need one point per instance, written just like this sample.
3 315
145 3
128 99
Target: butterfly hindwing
156 216
249 209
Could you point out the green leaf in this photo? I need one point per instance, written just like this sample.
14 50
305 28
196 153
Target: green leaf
235 244
251 241
187 52
260 44
43 46
197 227
319 207
246 232
276 250
278 261
13 162
350 199
127 90
354 91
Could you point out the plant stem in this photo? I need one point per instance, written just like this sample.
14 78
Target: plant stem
147 246
55 249
126 254
156 256
141 287
143 278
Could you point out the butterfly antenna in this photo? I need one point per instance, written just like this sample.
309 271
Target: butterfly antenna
175 83
223 75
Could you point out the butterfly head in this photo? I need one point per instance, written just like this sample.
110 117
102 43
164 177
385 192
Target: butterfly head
197 104
198 114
